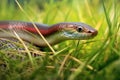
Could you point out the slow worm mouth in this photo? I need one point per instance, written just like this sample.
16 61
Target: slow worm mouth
79 36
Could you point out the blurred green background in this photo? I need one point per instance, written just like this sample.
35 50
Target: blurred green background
101 53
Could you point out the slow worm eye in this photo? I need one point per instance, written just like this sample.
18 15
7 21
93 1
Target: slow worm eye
80 29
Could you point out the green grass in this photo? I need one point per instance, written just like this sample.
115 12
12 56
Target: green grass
95 59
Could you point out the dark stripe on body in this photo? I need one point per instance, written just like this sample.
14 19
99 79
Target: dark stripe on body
44 29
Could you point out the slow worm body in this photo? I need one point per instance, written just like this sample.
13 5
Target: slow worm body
53 34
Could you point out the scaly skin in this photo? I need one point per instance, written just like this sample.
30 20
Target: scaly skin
53 34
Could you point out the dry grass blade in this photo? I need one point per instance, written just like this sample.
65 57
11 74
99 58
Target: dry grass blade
63 63
35 27
27 50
